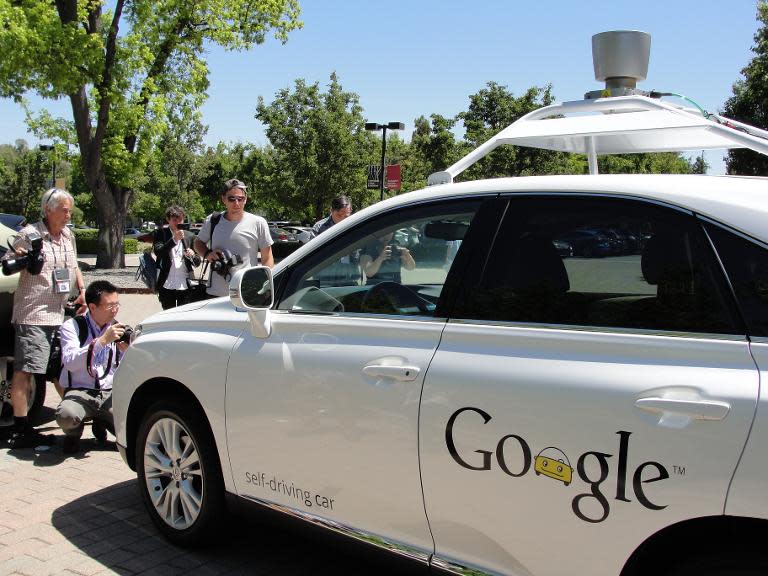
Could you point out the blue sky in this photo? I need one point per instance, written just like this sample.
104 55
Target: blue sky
405 58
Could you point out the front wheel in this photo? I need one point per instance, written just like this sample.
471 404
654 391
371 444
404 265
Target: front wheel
179 474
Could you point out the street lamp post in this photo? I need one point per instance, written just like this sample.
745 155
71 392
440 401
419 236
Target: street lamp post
52 149
372 127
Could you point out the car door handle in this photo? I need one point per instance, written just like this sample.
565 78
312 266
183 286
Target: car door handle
698 409
402 373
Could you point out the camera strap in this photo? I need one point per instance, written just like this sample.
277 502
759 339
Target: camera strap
215 218
92 371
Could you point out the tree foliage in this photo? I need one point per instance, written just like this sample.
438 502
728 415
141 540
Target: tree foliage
749 102
319 148
25 173
124 71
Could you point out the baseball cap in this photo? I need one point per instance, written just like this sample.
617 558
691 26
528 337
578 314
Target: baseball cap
232 183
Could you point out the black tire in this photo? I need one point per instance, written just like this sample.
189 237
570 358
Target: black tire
36 398
199 486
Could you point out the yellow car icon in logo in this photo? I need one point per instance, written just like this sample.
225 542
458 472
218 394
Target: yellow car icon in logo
554 463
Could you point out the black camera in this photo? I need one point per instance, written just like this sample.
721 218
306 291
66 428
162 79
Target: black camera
223 265
126 337
195 260
394 251
70 308
32 261
183 226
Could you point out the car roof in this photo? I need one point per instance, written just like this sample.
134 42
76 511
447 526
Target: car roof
739 202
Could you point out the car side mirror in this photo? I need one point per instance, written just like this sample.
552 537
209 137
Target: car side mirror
254 290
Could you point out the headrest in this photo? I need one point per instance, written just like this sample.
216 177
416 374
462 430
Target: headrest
666 262
536 267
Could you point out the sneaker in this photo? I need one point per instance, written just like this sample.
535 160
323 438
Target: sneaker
29 439
71 445
99 431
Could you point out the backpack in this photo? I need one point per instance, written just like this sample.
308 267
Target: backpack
148 271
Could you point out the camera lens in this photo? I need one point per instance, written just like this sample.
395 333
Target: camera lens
14 265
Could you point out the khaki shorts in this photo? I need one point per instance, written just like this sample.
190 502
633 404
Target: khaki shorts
33 346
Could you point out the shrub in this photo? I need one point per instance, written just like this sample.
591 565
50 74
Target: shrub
88 242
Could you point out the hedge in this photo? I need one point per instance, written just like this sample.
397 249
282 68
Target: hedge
87 242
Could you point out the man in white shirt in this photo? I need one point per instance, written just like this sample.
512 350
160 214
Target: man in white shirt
237 240
91 349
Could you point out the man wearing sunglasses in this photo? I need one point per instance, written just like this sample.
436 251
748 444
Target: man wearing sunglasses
233 236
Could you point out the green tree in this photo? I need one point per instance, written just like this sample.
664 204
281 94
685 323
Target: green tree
320 147
123 69
435 144
25 174
491 110
749 102
174 172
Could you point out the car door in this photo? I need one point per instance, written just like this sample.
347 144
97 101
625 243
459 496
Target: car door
322 415
577 405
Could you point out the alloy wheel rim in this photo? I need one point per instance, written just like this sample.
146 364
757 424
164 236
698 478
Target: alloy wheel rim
173 473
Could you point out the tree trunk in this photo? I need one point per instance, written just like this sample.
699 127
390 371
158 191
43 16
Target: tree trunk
111 205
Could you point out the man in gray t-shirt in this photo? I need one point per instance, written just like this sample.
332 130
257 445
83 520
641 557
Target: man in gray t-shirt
238 233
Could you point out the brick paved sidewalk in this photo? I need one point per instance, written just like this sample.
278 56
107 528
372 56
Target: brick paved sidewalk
83 515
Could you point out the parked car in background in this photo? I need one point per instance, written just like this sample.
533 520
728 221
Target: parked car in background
302 233
13 221
132 233
587 243
284 242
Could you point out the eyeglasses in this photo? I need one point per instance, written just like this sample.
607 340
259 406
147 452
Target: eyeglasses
236 198
114 306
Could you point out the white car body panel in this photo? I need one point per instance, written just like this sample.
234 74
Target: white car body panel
190 344
747 494
543 385
307 415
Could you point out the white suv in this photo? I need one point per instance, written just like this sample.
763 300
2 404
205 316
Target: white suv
441 376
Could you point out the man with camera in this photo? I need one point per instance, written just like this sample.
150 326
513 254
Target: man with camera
46 257
383 260
236 238
173 248
91 348
341 207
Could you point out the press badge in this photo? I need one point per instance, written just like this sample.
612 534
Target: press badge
61 281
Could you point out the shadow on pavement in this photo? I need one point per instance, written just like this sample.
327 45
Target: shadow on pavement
112 527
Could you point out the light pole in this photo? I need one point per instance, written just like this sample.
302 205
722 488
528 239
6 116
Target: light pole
372 127
52 149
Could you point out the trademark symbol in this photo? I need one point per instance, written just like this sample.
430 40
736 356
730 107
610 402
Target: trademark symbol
679 470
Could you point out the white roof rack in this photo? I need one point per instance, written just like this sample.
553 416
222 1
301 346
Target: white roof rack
616 125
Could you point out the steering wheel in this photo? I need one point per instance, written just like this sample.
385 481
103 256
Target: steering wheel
392 298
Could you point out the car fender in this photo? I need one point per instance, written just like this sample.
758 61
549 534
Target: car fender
200 346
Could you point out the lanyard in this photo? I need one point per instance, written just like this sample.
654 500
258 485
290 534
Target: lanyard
92 371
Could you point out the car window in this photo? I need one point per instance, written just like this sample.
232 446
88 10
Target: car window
395 264
746 263
601 262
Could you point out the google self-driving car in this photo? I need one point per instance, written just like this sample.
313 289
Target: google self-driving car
417 400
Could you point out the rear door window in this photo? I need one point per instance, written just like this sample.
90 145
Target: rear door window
602 262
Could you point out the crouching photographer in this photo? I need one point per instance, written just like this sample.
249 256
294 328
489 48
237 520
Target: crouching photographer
45 256
91 348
